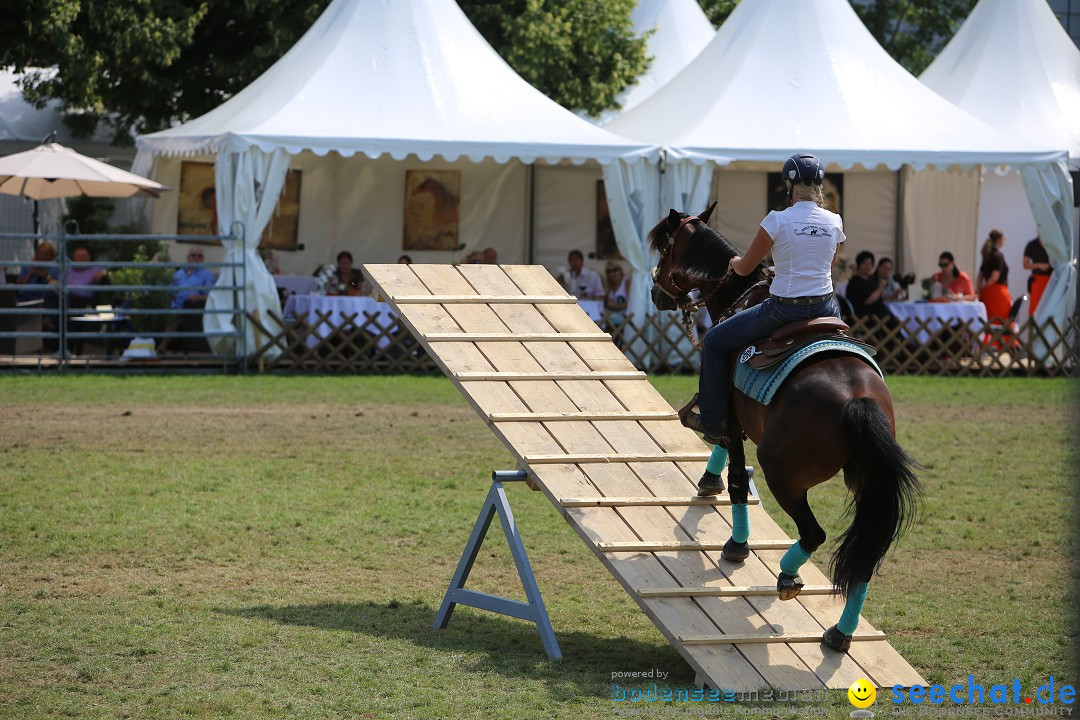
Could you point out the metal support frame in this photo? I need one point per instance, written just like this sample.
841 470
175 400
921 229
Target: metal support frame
533 610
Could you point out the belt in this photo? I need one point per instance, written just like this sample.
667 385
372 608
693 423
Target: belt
807 300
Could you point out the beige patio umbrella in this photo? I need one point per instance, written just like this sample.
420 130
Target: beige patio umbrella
55 171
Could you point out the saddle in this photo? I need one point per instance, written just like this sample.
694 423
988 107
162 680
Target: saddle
796 336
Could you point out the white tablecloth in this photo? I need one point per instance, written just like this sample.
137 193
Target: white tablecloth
938 314
295 284
593 308
340 308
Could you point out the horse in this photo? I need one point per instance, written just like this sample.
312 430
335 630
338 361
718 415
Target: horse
834 412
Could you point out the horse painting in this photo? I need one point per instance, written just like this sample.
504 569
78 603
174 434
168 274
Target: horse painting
832 413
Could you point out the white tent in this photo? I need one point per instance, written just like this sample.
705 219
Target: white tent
782 77
679 30
398 84
1013 64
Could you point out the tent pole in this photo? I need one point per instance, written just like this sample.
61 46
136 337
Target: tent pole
530 240
898 240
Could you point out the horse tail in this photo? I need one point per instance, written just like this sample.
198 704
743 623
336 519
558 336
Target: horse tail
881 476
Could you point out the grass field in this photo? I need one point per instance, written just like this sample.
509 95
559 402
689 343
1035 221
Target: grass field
225 547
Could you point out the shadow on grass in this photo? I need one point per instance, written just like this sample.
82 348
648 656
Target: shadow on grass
509 647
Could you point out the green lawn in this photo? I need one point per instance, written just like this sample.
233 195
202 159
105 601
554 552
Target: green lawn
272 547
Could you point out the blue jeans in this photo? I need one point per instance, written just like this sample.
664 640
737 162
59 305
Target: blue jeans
733 334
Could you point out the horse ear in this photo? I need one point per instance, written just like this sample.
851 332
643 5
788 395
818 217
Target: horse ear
673 217
704 217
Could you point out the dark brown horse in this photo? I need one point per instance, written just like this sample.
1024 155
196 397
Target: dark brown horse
833 413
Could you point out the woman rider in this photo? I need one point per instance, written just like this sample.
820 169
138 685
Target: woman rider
803 239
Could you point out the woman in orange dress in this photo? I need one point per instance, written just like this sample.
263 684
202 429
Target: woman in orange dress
993 282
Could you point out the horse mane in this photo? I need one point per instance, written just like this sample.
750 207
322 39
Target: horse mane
707 254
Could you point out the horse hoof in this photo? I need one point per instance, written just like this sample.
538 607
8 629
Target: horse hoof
788 586
836 640
735 551
710 484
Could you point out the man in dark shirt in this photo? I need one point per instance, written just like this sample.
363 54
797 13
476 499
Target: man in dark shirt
1038 262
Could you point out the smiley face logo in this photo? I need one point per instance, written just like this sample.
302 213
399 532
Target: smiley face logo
861 693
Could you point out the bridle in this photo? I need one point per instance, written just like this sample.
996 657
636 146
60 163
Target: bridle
682 301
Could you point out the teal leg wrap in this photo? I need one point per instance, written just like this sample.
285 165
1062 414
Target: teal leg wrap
740 522
794 559
849 619
718 460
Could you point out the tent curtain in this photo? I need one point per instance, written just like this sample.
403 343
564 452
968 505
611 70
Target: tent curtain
247 184
940 212
1049 190
633 188
687 186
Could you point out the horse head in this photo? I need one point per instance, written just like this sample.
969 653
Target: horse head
694 256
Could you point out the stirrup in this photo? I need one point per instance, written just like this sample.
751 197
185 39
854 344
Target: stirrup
692 420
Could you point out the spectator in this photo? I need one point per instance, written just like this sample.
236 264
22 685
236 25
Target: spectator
270 259
616 300
193 285
41 277
404 260
1038 262
490 257
993 281
91 275
581 281
345 281
955 284
892 291
866 289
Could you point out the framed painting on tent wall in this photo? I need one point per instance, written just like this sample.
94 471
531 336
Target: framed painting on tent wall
197 213
832 188
432 199
606 247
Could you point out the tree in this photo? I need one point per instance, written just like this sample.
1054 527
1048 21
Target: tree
580 53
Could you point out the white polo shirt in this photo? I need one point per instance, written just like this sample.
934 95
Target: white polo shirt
805 238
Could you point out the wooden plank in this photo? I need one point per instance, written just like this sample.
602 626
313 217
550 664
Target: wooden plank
489 299
560 357
390 279
730 591
770 638
611 458
591 394
534 280
575 415
491 280
524 319
504 376
602 356
511 337
646 501
662 545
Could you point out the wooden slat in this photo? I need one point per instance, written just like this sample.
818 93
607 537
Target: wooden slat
664 545
650 501
515 337
613 458
769 638
490 299
730 591
578 415
504 376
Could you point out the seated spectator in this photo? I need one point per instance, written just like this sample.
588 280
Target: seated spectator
404 260
345 281
954 283
892 291
581 281
491 257
866 288
38 278
194 283
616 300
91 275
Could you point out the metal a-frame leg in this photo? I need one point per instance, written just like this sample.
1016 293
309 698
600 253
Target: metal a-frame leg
533 610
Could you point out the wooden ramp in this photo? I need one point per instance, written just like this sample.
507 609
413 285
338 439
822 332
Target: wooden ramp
610 454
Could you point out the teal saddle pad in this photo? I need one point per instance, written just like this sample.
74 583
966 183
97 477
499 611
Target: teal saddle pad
761 385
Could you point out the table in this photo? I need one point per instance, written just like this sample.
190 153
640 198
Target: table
295 284
340 307
937 315
593 308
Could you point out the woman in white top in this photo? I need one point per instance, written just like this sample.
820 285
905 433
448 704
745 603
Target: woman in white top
803 239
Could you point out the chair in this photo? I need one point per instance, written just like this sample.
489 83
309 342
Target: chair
1007 331
847 310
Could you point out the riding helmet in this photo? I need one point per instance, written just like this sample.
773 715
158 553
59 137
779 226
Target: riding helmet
804 168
